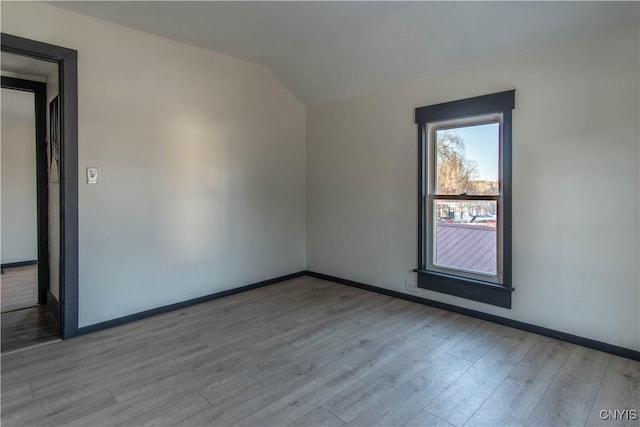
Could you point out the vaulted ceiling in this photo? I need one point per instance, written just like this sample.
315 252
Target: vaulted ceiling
330 50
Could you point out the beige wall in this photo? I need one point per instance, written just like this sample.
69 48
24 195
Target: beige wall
575 184
18 158
202 162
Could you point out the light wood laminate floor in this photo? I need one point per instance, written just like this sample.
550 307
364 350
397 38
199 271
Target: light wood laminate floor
311 352
19 288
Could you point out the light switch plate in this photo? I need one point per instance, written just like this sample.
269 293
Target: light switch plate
92 175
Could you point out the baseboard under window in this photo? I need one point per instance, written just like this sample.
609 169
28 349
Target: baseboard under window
551 333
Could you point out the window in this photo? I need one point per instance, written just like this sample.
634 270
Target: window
465 198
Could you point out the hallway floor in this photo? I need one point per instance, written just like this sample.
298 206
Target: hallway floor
24 322
27 327
19 288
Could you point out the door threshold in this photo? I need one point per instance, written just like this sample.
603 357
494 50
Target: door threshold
30 347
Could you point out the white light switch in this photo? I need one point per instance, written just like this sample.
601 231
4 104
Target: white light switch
92 175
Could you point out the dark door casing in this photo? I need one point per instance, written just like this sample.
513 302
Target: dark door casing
67 60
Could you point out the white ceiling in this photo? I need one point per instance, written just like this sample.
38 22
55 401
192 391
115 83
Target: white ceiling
330 50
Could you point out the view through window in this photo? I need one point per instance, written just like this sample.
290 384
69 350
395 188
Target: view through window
467 165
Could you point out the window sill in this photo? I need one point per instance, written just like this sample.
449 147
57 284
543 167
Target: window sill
476 290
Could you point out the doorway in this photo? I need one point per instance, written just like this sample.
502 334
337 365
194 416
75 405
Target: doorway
27 318
62 267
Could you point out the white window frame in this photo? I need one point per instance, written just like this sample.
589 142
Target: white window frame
432 196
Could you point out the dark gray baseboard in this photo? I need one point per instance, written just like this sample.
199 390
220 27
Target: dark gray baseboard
559 335
166 308
562 336
18 264
53 305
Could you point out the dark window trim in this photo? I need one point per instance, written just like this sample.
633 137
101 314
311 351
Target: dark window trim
67 60
486 104
39 91
477 290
